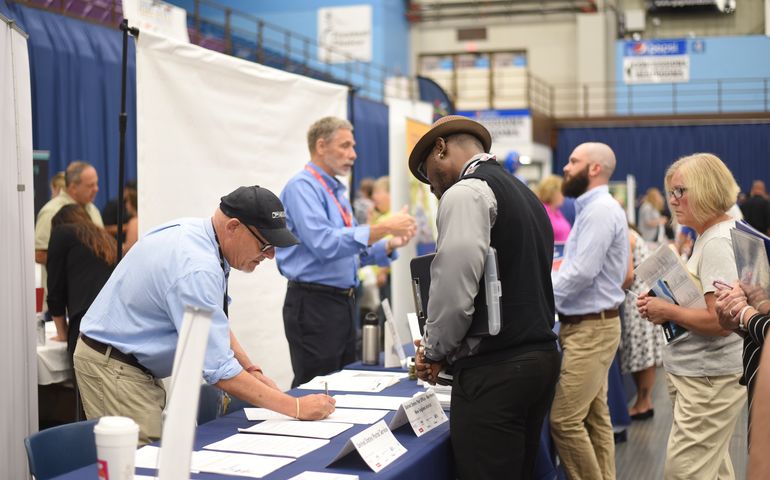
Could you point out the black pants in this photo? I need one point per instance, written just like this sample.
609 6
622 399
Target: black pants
319 329
497 415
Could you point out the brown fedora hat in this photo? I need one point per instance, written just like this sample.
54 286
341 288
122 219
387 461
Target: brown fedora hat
445 127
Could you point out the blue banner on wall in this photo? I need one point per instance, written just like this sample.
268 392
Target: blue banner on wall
649 48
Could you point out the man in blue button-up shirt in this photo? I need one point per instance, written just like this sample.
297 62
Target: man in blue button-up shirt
587 292
129 335
318 312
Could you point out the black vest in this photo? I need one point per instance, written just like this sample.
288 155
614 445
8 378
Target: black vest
523 237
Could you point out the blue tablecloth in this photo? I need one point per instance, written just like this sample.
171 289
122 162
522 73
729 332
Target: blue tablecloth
429 456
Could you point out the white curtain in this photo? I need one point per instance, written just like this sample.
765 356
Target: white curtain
208 123
18 376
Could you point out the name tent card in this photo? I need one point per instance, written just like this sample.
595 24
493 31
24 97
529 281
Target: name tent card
376 445
423 412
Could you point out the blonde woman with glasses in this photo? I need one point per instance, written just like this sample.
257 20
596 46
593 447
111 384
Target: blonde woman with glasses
704 368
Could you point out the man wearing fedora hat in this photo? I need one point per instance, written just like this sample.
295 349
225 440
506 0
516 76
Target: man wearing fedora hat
319 308
129 335
502 385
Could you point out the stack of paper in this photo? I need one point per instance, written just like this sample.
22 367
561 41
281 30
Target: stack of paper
380 402
359 416
256 466
443 394
293 447
355 381
298 429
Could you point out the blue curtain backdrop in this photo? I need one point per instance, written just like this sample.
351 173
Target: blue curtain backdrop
370 123
75 70
646 152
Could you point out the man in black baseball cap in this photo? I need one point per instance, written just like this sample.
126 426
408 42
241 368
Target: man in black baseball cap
132 327
260 208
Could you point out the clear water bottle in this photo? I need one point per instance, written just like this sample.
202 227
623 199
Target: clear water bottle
40 322
370 340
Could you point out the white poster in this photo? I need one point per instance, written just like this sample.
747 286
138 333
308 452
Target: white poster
345 30
656 61
157 17
208 123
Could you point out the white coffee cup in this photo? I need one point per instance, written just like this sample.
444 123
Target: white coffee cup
116 441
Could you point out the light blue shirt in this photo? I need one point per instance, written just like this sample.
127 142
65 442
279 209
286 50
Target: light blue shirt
140 308
595 261
330 252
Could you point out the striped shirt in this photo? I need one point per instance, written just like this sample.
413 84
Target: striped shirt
756 329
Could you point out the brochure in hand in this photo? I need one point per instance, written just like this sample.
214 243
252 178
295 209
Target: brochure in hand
671 330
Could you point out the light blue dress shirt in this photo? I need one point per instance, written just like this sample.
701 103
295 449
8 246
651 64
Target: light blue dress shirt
140 308
595 261
330 252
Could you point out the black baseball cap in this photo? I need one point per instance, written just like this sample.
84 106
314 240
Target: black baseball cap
260 208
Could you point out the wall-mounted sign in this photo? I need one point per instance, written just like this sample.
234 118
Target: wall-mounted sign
656 61
345 30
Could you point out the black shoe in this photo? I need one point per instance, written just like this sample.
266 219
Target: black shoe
643 415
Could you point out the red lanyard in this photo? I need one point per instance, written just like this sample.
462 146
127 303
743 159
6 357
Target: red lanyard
346 216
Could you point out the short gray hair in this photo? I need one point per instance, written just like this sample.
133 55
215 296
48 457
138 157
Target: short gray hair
73 172
325 128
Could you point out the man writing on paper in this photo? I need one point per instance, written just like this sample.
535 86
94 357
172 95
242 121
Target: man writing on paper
129 335
587 289
319 309
503 384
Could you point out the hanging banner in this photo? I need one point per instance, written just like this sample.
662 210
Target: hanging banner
157 17
656 61
345 30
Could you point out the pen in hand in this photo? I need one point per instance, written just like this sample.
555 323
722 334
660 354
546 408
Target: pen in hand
632 292
326 388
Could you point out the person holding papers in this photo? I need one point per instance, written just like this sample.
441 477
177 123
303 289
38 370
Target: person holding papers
128 336
702 368
587 291
502 385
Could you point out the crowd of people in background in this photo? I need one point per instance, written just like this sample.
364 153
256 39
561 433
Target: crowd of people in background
602 306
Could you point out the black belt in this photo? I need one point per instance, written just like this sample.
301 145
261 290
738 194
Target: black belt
102 348
345 292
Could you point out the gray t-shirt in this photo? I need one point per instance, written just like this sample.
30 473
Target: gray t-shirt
649 222
698 355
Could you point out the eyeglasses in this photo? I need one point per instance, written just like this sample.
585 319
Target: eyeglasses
677 192
265 245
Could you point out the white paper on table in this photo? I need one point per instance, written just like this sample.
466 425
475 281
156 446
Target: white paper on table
376 445
381 402
355 381
268 444
289 427
423 412
323 476
243 464
360 416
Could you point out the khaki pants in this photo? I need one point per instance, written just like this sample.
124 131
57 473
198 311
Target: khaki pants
705 412
110 387
580 419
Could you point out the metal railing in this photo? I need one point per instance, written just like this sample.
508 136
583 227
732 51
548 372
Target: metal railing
246 36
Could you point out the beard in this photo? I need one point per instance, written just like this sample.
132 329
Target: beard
576 185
